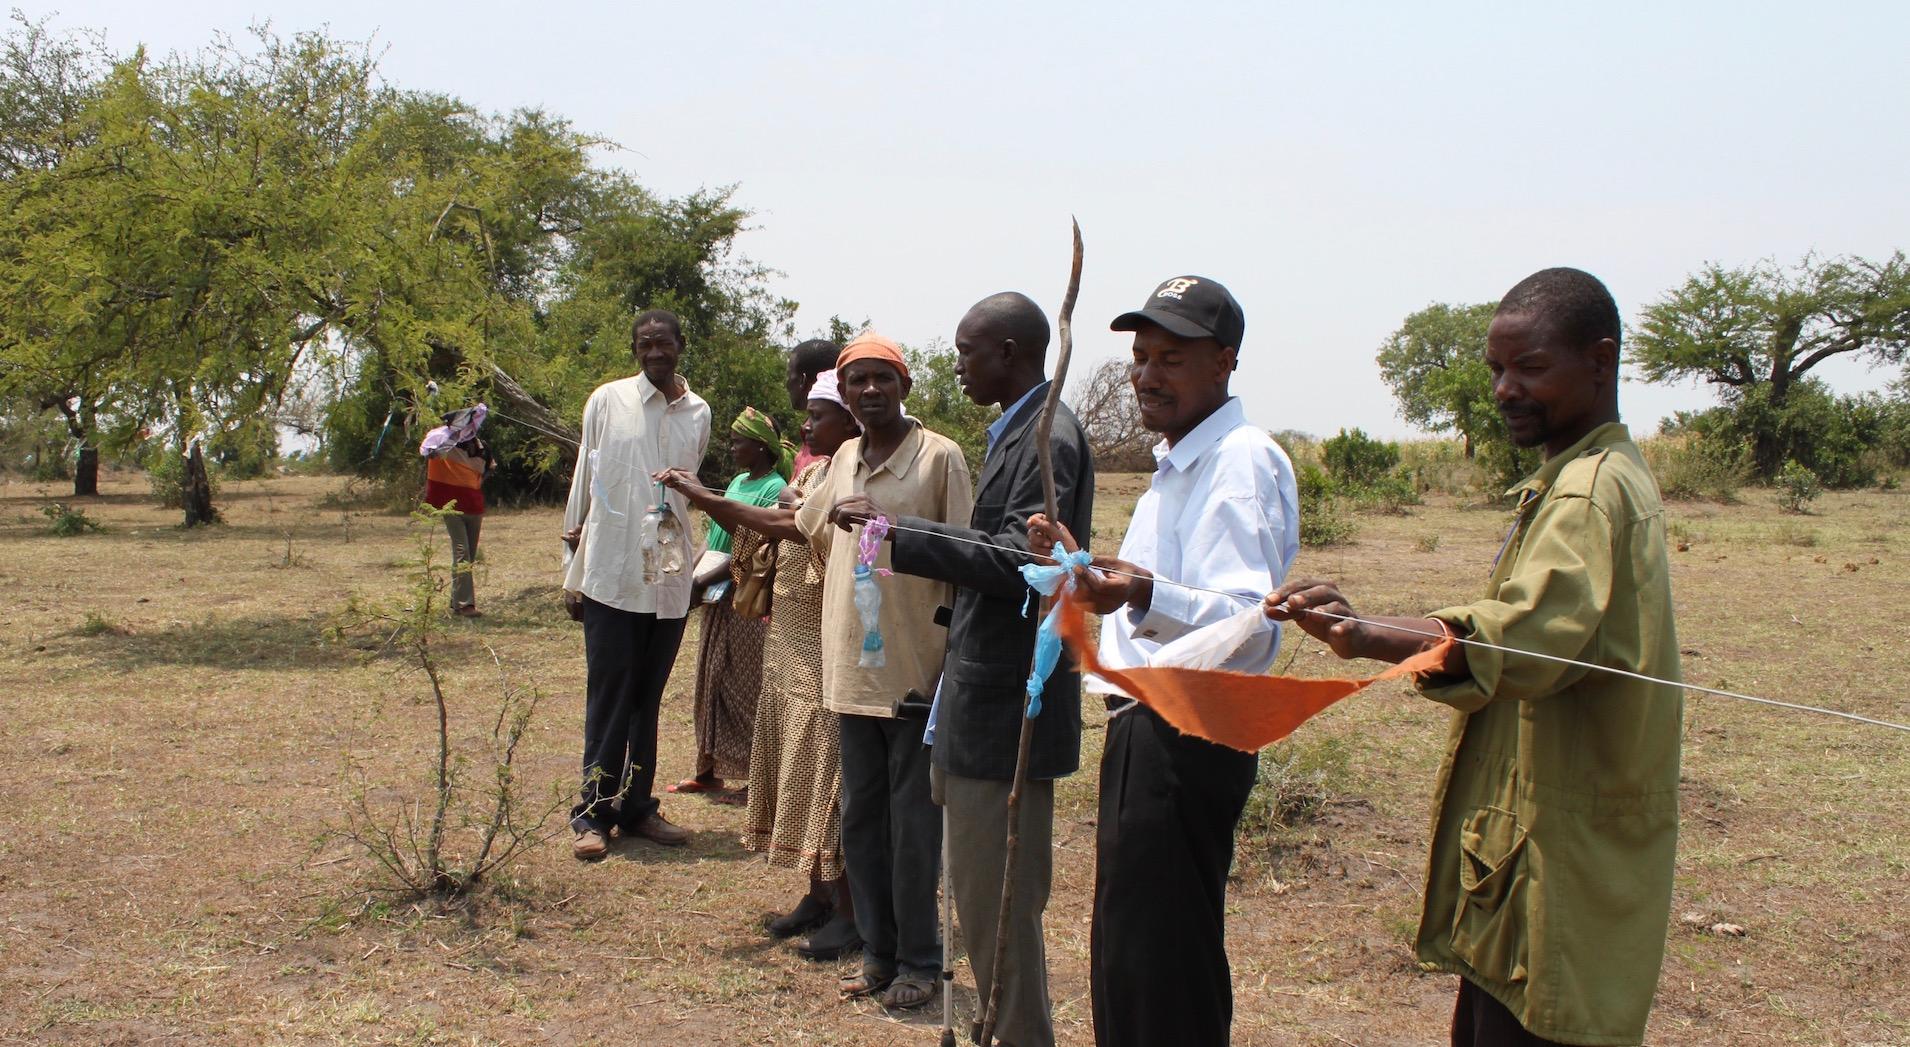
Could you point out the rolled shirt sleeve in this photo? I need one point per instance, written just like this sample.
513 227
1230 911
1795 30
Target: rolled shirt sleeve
1551 602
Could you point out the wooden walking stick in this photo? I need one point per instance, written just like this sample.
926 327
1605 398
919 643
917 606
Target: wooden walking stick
1044 436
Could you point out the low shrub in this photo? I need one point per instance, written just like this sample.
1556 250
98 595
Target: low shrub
1797 488
1296 782
1324 519
1390 493
1698 466
1356 460
66 521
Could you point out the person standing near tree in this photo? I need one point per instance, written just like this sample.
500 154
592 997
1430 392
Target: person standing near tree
632 428
1222 513
795 760
891 831
1000 355
1548 886
729 663
807 361
454 480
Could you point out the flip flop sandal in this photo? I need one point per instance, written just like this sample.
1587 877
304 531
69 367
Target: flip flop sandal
862 983
907 993
697 785
732 798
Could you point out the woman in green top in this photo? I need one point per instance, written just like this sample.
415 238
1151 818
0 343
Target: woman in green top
729 666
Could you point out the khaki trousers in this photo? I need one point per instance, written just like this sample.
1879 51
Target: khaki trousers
464 529
977 842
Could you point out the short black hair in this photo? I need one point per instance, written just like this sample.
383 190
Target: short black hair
1011 314
815 356
658 316
1572 302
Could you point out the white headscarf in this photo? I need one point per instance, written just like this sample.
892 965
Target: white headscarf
828 387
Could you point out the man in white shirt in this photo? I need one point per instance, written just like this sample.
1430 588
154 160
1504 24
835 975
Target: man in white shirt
1222 513
633 428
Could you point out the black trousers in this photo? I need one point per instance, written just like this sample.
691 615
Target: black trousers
891 844
627 660
1165 843
1479 1020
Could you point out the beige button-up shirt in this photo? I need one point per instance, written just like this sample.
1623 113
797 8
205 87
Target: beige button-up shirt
925 477
631 430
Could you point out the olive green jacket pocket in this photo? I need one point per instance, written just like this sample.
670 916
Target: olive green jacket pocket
1488 924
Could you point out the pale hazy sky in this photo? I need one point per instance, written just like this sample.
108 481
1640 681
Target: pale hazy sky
1337 166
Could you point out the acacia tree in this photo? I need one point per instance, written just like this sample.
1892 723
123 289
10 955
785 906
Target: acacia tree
1758 331
1111 416
158 266
1436 366
46 82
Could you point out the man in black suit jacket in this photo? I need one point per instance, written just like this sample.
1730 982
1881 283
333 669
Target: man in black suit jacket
1001 346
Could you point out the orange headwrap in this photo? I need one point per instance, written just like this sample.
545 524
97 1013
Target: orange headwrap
871 346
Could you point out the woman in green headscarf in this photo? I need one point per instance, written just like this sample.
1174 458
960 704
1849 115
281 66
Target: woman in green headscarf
729 666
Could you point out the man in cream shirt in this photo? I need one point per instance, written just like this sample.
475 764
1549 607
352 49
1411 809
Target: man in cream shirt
633 428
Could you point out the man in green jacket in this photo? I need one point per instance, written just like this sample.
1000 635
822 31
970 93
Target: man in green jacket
1555 821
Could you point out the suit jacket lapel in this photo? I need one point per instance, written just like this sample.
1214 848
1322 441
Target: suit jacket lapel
1018 431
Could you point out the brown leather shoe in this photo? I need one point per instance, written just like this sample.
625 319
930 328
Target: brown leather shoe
590 845
657 829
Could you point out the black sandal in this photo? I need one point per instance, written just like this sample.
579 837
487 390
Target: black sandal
863 983
904 994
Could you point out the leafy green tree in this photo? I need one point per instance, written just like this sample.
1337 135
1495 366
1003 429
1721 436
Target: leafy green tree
937 401
158 275
1758 332
1436 366
46 81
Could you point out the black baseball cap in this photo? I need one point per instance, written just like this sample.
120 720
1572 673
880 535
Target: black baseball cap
1189 307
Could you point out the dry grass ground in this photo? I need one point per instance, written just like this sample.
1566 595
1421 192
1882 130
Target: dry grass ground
175 730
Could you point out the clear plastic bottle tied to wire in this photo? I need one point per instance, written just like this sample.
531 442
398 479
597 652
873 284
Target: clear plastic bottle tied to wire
661 540
868 600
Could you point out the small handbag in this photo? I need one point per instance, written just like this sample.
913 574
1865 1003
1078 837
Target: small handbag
753 590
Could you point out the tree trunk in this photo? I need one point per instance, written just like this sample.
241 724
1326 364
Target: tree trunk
1467 437
531 411
195 490
86 472
79 425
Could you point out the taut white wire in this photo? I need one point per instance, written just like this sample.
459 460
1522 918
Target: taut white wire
1593 666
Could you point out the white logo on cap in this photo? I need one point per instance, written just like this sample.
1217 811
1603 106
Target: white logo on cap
1176 287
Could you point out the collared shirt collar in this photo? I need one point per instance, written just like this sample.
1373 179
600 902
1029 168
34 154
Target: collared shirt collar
1000 425
902 459
647 389
1541 480
1182 456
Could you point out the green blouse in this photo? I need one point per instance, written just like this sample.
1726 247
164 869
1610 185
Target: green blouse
761 492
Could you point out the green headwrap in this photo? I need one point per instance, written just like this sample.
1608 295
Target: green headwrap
755 425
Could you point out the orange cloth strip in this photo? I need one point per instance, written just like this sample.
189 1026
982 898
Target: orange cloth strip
1238 711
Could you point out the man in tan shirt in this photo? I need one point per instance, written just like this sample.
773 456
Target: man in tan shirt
891 831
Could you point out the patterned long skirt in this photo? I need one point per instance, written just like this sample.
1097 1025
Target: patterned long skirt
795 765
729 673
